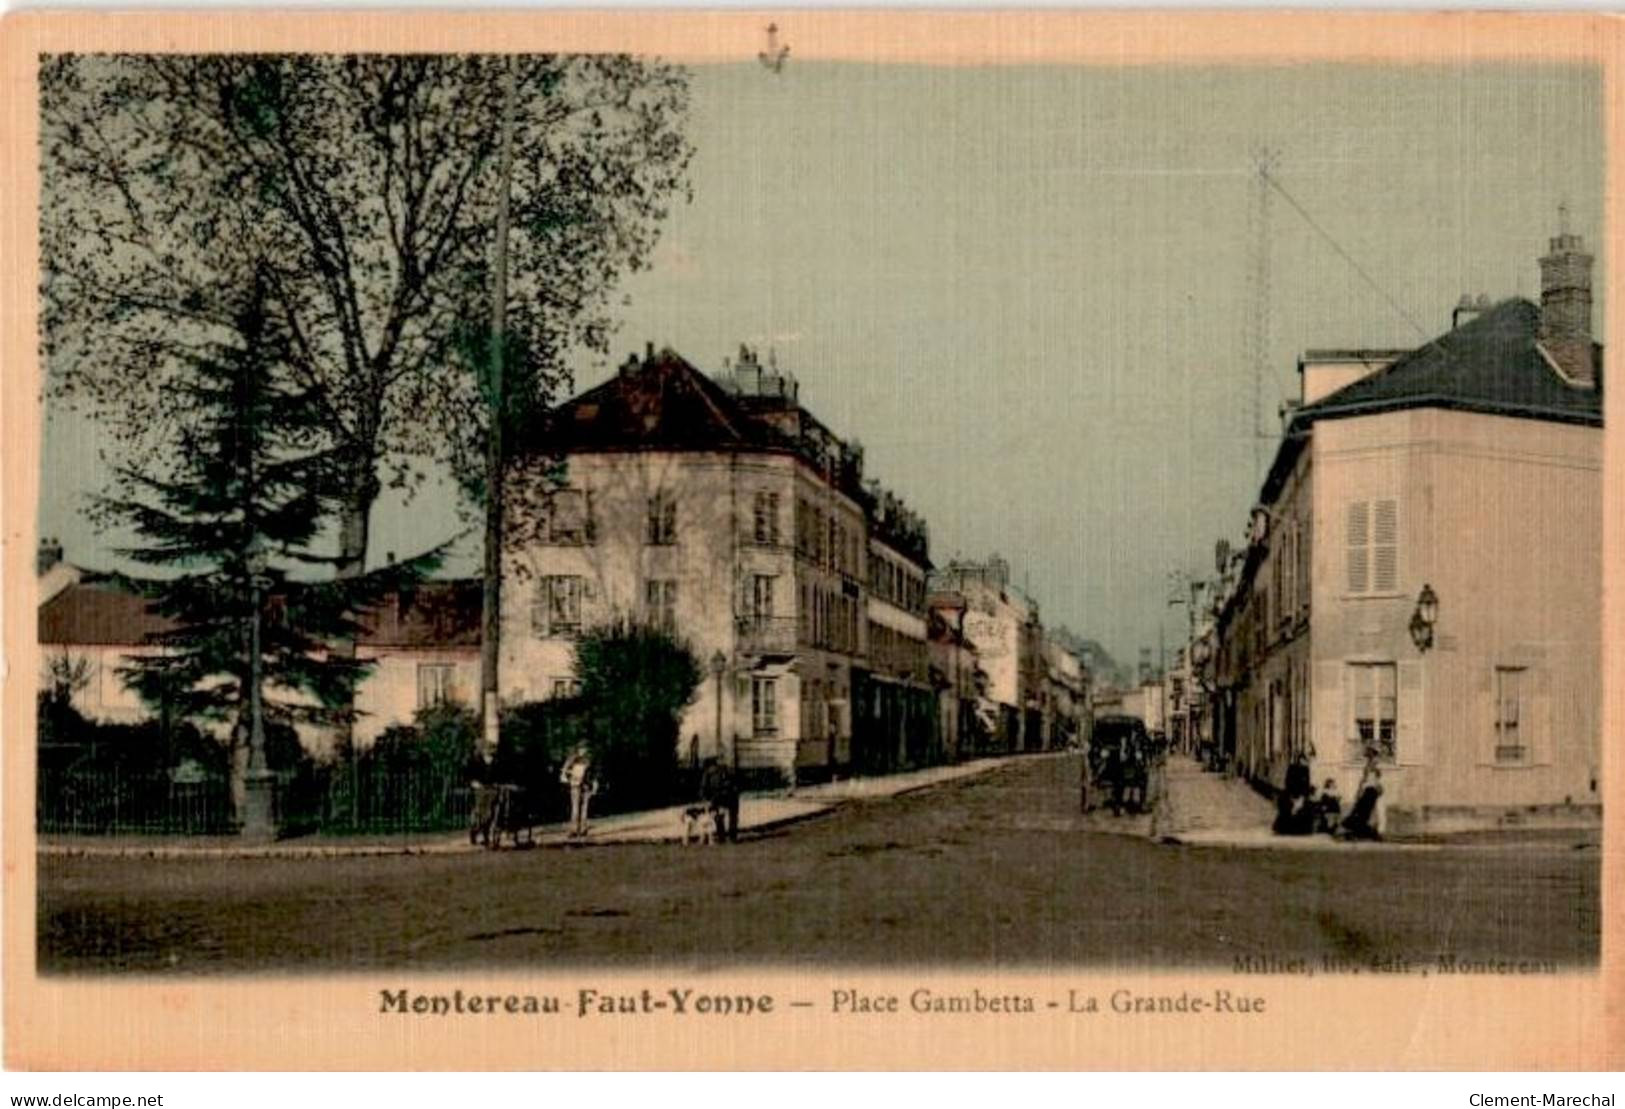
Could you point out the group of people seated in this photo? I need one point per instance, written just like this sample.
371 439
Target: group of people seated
1301 810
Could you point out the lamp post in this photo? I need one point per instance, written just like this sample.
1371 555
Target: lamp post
1423 619
719 663
257 820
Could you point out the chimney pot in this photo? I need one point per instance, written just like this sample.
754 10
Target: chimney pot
1565 308
49 555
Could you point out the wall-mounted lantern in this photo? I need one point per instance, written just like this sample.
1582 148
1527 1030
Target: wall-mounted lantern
1423 619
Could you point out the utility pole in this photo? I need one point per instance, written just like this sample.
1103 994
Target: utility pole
495 461
1258 279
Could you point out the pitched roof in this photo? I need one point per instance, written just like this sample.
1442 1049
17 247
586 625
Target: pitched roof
1491 364
98 611
662 402
95 611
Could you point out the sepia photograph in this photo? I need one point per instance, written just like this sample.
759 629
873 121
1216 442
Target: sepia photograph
556 516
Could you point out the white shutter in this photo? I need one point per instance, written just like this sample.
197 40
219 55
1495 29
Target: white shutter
1358 533
1410 739
1385 548
1330 710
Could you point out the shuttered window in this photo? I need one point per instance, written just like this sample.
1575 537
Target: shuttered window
556 608
1372 546
660 604
1359 546
1385 547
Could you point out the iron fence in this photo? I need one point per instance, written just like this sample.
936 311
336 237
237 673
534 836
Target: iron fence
340 800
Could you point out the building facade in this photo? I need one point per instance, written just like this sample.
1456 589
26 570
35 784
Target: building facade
423 646
1420 585
1004 629
726 512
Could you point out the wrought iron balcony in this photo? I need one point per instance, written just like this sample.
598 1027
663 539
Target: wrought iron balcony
759 635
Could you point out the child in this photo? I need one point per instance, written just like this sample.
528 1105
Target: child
1330 808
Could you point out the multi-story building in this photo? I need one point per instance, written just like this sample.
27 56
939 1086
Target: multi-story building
1003 627
894 703
727 512
1421 579
1064 701
960 682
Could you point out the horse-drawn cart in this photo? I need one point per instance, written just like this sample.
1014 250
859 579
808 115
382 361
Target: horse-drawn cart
1117 766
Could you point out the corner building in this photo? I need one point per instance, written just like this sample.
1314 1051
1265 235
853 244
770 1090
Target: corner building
727 513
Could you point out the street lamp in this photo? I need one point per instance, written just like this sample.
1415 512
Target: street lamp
257 819
719 663
1423 619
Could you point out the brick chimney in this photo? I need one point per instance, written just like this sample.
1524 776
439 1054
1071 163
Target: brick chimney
1565 307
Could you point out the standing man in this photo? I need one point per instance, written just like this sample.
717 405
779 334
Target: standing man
719 790
578 779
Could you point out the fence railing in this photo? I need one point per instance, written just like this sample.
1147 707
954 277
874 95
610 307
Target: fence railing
111 801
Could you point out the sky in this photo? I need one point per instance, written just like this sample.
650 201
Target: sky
1028 291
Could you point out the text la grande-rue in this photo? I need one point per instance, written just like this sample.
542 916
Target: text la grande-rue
1121 1002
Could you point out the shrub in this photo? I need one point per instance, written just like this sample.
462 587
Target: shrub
410 779
635 682
536 738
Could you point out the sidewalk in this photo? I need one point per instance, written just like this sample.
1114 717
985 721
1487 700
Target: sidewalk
1203 809
758 812
1197 805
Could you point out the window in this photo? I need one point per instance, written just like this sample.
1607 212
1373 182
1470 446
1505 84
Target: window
764 706
662 530
568 523
1510 744
1375 701
1385 548
761 596
1373 546
434 684
556 610
660 604
566 687
766 528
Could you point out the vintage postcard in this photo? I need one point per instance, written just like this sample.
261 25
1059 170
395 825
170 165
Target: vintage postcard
812 540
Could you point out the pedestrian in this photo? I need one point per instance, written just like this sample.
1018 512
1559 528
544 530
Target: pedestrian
1298 782
577 776
1361 822
1329 810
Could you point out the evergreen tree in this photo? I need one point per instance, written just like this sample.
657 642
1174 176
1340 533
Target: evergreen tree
242 500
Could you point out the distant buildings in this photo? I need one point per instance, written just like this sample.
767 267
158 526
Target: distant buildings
1420 583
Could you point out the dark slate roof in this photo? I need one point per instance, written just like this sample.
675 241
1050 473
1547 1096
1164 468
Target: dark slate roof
1490 364
99 611
432 614
661 403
